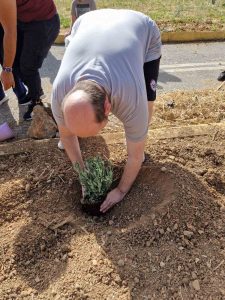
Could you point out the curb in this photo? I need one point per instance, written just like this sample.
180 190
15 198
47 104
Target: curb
176 37
183 36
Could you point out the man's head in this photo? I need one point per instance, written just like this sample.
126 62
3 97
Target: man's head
86 109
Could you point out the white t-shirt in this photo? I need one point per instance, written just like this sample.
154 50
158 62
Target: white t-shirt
110 47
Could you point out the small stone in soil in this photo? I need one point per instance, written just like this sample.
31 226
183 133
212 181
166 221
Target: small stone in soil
64 257
188 234
163 169
136 280
162 264
121 263
73 231
27 188
148 244
196 285
37 279
161 231
152 216
175 227
94 262
111 222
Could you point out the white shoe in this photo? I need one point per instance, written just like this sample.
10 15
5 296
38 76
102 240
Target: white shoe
60 145
6 98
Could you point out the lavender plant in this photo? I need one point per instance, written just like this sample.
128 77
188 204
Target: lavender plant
96 179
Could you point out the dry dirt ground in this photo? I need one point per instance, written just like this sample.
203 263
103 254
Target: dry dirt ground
166 240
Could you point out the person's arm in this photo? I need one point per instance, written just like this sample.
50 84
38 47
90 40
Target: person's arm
8 19
71 145
131 170
73 19
73 16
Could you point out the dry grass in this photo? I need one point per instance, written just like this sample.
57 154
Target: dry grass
190 107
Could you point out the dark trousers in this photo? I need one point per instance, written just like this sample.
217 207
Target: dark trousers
34 39
19 89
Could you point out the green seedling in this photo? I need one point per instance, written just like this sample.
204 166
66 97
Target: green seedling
96 179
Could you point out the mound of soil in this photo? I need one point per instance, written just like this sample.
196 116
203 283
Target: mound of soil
165 240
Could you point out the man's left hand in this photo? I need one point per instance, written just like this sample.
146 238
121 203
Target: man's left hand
112 198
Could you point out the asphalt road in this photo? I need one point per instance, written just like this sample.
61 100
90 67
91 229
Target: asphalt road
183 66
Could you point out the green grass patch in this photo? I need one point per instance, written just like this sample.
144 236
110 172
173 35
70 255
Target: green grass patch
177 14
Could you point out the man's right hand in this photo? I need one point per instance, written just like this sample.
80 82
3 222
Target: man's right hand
7 80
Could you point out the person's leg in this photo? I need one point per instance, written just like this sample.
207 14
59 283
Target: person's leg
20 89
29 59
38 38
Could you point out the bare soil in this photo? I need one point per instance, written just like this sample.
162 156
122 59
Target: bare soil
165 240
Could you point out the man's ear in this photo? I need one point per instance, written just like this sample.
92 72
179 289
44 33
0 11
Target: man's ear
107 106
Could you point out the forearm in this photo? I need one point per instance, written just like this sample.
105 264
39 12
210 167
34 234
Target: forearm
8 20
9 45
131 170
72 147
130 173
